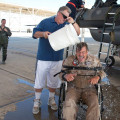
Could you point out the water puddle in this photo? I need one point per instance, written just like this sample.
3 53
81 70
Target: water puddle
25 82
24 110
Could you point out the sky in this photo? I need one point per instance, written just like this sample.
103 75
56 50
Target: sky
52 5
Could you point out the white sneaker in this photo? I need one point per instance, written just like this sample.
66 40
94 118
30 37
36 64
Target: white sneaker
36 106
52 103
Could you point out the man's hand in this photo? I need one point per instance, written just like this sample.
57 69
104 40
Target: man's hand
5 30
0 29
94 80
39 34
75 25
70 77
70 20
45 34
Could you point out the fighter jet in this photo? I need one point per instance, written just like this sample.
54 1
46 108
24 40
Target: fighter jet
103 20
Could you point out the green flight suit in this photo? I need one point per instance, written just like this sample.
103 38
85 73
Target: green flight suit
4 36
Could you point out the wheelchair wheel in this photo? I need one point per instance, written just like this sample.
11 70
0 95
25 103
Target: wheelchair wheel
110 61
61 100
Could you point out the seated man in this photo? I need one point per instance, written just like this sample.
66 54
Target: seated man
81 84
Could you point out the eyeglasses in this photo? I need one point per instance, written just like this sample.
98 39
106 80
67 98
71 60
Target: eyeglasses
65 17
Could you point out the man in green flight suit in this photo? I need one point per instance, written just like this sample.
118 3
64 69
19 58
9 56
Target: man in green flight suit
4 36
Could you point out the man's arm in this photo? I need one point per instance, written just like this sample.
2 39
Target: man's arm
99 75
70 77
75 25
38 31
94 80
39 34
77 28
67 74
7 30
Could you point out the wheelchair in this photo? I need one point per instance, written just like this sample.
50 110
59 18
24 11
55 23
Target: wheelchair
82 106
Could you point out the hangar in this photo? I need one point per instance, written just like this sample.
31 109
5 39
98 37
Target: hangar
19 18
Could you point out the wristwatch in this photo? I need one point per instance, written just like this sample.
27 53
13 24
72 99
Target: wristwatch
73 23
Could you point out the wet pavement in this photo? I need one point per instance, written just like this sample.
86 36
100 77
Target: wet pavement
111 106
111 103
17 81
24 110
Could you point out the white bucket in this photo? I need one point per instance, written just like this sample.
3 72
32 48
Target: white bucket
63 37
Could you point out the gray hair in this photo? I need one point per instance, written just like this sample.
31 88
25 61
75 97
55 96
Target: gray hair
64 8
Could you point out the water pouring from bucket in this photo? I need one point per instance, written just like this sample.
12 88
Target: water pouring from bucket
63 37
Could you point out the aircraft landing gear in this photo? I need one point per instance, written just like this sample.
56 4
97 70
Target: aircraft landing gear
110 61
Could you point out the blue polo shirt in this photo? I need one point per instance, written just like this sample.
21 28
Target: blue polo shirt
45 51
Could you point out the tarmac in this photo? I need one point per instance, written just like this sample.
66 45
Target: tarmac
17 79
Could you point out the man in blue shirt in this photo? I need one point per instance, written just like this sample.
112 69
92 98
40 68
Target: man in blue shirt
74 5
49 61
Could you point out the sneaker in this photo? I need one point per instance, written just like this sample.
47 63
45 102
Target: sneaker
36 106
51 102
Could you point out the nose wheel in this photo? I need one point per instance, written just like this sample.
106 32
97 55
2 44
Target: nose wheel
110 61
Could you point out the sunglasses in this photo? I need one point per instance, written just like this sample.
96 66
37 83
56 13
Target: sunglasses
65 17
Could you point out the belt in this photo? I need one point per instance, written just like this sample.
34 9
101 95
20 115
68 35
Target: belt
72 4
